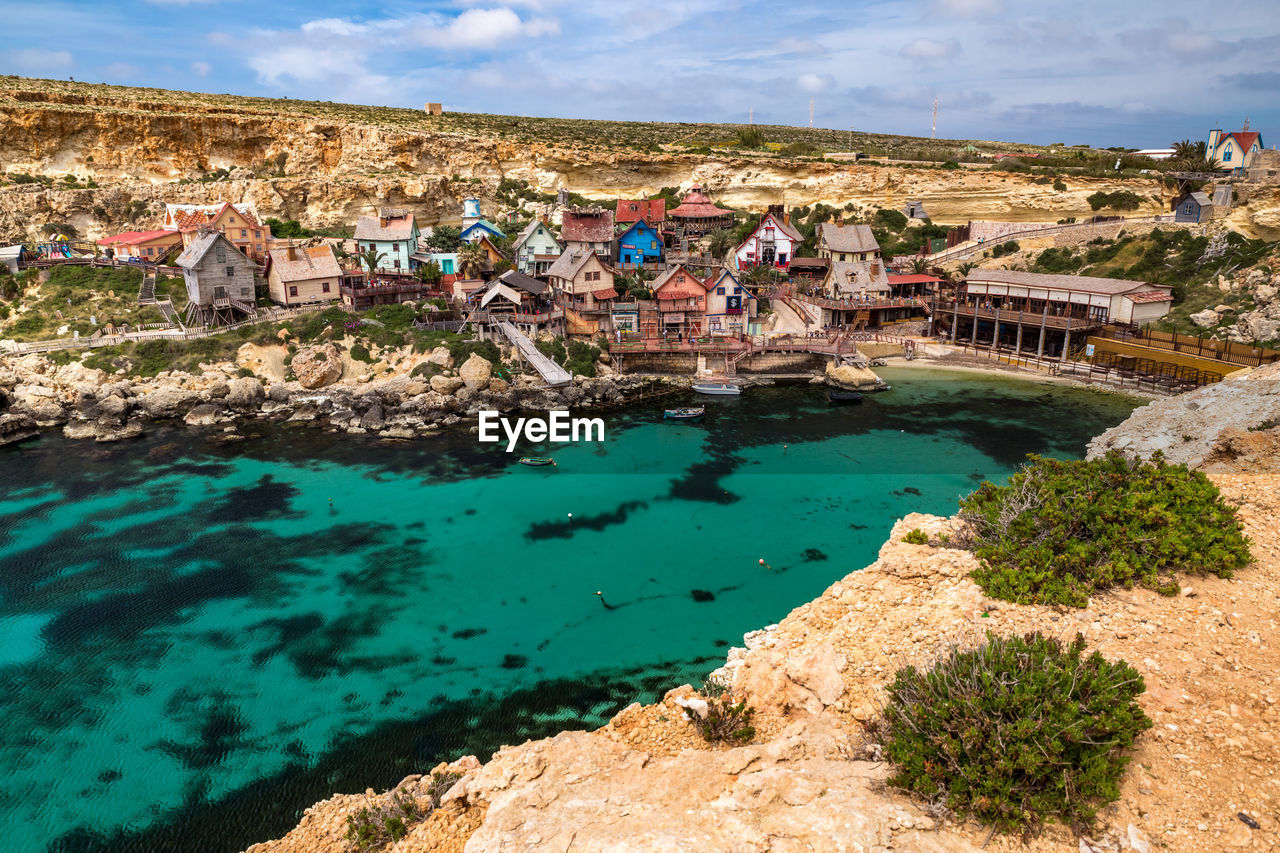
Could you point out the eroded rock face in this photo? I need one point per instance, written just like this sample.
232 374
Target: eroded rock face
317 367
15 428
476 372
445 384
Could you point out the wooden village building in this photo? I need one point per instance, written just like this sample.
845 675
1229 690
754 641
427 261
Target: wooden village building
521 300
696 215
219 280
239 223
583 282
1041 314
589 228
773 243
150 246
730 307
639 244
394 234
652 211
304 276
536 249
681 298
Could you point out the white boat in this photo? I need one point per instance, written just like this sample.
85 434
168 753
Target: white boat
723 389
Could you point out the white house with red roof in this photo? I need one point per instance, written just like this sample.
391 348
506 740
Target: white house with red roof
773 243
1234 150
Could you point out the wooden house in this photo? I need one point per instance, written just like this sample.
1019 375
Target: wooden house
847 242
773 243
394 234
1234 150
730 306
681 298
536 249
696 215
482 229
239 223
219 280
304 276
582 281
640 244
151 246
653 211
1193 207
589 228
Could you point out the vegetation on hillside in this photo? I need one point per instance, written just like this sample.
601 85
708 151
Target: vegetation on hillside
1016 732
1061 530
73 296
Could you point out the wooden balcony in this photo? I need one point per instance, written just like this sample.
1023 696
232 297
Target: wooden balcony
1025 318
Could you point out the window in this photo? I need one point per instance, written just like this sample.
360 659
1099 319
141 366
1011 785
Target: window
220 252
293 289
719 291
324 288
244 232
842 256
233 220
257 234
397 263
1226 154
395 247
231 271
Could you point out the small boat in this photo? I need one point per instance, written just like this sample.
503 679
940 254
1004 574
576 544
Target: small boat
835 395
724 389
536 461
686 414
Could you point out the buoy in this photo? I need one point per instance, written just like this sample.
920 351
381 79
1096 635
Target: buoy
571 515
762 561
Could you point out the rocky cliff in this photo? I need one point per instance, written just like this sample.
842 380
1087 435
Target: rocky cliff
326 169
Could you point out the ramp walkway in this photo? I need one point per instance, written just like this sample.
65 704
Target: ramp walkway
552 373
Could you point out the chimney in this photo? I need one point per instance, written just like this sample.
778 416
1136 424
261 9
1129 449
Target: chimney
546 220
293 252
382 221
786 218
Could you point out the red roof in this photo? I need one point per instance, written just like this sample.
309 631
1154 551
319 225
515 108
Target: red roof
697 205
605 294
1245 138
587 225
133 238
912 278
1149 296
192 217
633 210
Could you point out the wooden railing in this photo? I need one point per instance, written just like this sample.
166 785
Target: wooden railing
1027 318
1232 353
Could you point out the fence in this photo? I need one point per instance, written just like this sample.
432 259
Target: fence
962 250
1232 353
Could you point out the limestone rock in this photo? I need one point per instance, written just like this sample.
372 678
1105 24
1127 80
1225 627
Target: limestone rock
317 367
441 357
851 378
15 428
245 394
1206 318
476 372
446 384
205 414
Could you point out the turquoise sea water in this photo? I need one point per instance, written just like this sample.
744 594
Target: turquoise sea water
197 640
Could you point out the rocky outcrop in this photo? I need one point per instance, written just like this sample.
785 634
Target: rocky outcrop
15 428
475 372
1216 427
851 377
317 367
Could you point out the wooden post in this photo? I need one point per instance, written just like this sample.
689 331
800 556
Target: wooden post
1066 340
975 327
995 333
1044 320
1017 347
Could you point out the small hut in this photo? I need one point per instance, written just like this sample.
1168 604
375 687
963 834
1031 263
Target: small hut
219 280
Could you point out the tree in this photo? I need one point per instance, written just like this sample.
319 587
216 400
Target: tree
444 238
286 228
372 259
920 266
429 273
721 240
471 259
965 268
761 276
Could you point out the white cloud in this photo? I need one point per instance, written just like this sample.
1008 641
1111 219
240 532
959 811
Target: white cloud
480 28
815 82
967 8
201 68
40 61
923 48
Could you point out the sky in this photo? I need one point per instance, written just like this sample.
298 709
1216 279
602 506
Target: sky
1138 73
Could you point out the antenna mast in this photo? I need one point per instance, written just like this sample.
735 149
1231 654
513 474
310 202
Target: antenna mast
811 114
751 115
933 134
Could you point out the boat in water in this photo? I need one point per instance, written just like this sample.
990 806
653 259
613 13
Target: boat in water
686 414
723 389
835 395
537 461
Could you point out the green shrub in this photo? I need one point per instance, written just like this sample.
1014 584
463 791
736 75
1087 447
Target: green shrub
1006 248
1062 529
553 348
360 352
1119 200
581 359
426 370
727 721
916 537
1015 732
461 350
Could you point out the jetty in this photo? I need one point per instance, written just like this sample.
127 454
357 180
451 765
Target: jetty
552 373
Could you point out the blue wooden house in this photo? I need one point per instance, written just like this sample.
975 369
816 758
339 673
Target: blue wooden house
1193 207
639 244
481 228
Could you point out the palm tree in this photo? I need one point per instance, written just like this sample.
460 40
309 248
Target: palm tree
721 241
471 258
372 259
920 265
966 268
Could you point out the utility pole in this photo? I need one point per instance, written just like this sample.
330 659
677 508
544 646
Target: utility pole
850 139
933 134
811 114
751 115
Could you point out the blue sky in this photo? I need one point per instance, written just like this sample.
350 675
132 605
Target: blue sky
1133 72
